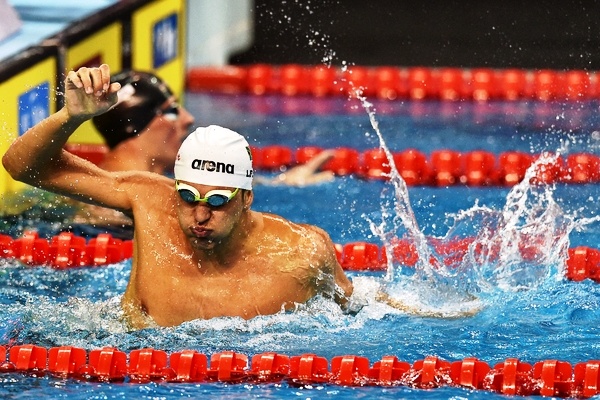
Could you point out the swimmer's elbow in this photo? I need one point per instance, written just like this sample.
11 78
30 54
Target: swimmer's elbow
343 295
8 164
349 304
17 170
352 307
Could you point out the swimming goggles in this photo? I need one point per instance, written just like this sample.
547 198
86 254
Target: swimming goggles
214 198
169 112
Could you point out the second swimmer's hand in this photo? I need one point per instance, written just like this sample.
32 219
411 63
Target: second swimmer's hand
88 92
308 173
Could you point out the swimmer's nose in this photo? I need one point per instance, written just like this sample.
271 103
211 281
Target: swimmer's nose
186 118
202 213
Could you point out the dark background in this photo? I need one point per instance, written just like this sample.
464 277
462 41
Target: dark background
497 34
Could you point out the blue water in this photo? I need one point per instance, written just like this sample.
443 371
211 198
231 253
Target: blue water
535 315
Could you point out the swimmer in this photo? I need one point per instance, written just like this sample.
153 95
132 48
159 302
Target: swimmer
143 132
199 250
145 129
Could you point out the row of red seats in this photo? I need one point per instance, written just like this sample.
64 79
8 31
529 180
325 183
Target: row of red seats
65 250
511 377
391 83
441 168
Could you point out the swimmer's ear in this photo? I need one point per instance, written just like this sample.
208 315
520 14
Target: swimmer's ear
247 198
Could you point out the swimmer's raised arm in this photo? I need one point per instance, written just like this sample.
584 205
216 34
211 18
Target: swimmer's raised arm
38 158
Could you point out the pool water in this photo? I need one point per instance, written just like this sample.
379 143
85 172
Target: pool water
528 310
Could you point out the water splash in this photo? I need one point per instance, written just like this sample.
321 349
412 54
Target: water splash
518 247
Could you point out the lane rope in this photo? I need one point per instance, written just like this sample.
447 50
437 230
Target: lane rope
398 83
510 377
442 167
67 250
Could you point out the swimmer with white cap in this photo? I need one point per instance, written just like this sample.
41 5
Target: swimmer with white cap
199 250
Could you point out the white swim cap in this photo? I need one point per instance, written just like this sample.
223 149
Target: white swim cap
215 156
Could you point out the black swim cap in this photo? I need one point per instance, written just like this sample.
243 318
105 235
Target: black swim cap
140 98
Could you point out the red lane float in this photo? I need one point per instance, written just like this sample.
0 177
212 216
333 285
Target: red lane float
429 373
65 361
322 81
586 379
293 80
390 83
388 371
446 167
375 164
583 263
357 81
513 165
226 79
511 377
345 161
413 167
397 83
276 157
105 365
443 167
307 369
304 154
554 377
479 169
578 86
66 250
360 256
583 168
452 84
420 83
469 373
259 81
269 367
92 152
484 82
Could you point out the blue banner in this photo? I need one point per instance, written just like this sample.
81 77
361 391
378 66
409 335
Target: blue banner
165 40
34 106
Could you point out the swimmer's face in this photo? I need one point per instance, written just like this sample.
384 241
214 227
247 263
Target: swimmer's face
168 130
205 226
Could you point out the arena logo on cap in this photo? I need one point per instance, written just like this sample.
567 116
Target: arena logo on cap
213 166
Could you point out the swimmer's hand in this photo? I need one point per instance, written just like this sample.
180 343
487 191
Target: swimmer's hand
88 92
307 173
400 305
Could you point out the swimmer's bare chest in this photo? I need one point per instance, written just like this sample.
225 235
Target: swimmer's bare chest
173 298
170 285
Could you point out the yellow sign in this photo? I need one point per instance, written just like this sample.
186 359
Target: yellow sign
25 99
158 34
